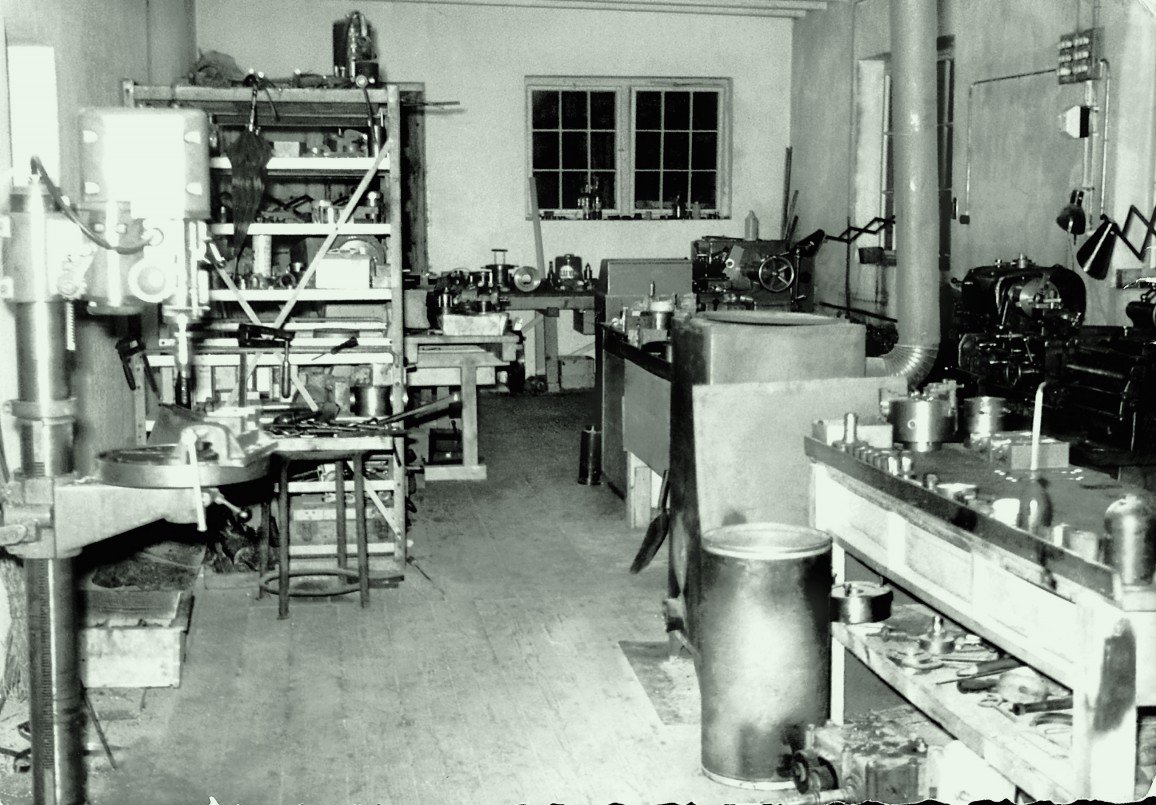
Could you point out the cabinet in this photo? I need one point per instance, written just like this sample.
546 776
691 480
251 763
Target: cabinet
320 267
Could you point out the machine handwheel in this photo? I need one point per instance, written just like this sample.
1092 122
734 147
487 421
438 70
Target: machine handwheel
776 273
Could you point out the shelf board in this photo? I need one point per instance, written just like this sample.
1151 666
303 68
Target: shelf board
306 295
273 358
311 166
306 229
313 487
295 107
1040 767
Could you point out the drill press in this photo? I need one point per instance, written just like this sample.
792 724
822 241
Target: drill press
134 241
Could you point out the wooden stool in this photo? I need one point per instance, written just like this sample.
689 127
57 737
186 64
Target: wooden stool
283 572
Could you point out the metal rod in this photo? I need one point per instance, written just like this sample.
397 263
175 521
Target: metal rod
283 543
362 535
339 510
54 683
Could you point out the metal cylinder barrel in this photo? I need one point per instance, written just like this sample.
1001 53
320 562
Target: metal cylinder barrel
590 456
54 683
43 410
764 647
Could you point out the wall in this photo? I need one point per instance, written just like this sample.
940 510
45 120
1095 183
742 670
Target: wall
97 44
480 57
1023 168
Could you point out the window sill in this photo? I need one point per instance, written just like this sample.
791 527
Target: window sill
629 219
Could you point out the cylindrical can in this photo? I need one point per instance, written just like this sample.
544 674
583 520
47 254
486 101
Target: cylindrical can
764 647
1130 526
371 401
751 226
983 416
263 255
590 456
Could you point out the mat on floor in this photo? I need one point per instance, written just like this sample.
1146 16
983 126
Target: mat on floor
669 682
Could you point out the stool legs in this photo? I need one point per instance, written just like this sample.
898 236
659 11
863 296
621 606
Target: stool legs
339 510
362 531
283 545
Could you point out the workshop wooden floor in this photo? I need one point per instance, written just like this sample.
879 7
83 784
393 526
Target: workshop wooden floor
498 679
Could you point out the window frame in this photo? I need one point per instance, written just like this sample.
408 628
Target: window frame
626 89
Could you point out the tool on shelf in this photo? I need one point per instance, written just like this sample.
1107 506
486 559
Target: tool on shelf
259 336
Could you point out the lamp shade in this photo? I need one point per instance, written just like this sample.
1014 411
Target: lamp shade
1095 255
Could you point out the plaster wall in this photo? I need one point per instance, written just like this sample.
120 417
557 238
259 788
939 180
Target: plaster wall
1022 167
480 57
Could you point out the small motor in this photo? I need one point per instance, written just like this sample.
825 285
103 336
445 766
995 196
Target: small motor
354 54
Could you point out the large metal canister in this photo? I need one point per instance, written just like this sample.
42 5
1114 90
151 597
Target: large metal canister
764 655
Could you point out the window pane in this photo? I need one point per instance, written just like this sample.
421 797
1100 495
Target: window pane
706 110
676 150
648 112
574 150
646 186
574 110
601 149
547 190
602 110
545 114
677 111
704 151
647 150
674 183
703 189
606 188
545 149
572 184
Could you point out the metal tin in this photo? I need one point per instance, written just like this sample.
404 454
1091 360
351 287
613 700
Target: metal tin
861 602
921 424
983 416
370 401
764 647
1130 525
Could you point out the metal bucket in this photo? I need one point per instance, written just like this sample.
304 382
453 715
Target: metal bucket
764 663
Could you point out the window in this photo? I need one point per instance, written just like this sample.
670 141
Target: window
630 148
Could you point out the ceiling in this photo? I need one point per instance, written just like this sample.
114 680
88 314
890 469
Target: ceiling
730 8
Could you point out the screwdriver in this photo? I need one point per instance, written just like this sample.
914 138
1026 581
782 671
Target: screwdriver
987 668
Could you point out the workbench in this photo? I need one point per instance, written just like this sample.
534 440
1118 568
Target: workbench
1068 617
464 362
635 401
549 304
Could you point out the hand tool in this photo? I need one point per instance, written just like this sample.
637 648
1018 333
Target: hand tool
989 668
1045 706
256 335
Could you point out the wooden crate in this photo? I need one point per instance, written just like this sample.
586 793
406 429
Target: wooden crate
134 638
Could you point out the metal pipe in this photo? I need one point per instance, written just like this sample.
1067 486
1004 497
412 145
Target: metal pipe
966 214
54 683
41 409
913 33
1104 136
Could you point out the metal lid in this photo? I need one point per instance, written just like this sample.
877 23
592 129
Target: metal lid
773 318
766 541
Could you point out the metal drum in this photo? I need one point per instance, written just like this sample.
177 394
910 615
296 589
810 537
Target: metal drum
764 649
983 416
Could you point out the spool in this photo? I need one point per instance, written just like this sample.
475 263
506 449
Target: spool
764 648
590 457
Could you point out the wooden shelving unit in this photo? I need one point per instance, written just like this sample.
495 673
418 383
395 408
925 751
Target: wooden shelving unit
311 115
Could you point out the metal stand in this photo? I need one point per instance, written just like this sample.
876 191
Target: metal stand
54 683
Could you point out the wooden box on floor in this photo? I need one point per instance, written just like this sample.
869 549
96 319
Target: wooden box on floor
134 638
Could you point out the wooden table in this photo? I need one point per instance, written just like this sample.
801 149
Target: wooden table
1069 618
464 362
550 304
